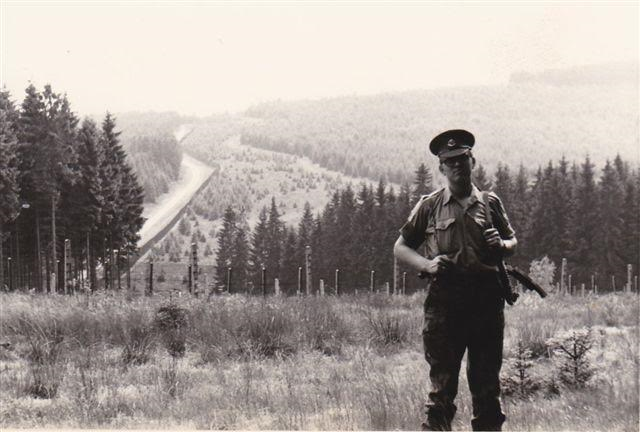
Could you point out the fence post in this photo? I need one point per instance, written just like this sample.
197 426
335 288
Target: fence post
372 281
67 265
629 277
321 287
563 273
194 266
387 288
307 263
229 279
569 286
263 281
395 275
337 282
299 281
613 283
582 290
404 283
189 278
276 284
128 273
150 292
117 261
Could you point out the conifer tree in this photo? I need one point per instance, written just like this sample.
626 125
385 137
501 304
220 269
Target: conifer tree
480 178
585 253
423 183
259 250
275 239
240 259
289 272
226 241
610 234
9 187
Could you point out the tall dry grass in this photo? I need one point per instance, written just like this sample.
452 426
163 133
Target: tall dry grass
236 362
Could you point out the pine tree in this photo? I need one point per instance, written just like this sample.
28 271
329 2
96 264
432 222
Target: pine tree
226 242
290 259
423 183
609 237
585 253
9 187
275 239
240 259
259 251
480 179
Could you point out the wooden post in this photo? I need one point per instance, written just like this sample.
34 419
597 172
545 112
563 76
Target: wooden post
404 283
307 262
128 273
229 280
593 284
150 292
263 281
629 277
194 266
582 289
563 272
116 261
635 279
387 288
9 272
395 275
337 282
299 290
190 278
372 282
88 266
276 285
321 287
569 287
54 254
67 264
613 283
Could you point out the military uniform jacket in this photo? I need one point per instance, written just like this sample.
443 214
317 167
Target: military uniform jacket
445 227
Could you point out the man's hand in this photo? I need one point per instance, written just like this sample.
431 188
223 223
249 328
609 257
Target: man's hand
492 236
438 265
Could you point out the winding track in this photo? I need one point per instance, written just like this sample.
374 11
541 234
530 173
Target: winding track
166 211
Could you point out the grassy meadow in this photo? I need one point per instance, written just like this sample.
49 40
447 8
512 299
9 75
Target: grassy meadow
355 362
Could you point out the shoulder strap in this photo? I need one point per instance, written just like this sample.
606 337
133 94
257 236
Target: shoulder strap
487 207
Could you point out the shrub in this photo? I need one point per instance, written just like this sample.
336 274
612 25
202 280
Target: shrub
322 328
135 332
171 323
571 349
264 330
44 350
518 380
386 327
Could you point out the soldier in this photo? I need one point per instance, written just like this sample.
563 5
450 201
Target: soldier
464 306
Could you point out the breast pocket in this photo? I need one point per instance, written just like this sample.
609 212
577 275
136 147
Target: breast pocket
441 237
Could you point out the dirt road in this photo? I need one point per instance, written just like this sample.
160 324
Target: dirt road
193 174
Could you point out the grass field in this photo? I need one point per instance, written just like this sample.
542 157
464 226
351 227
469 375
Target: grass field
354 362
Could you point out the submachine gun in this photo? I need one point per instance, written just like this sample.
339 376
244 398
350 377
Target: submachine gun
504 271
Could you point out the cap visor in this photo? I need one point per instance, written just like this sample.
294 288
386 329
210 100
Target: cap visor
453 153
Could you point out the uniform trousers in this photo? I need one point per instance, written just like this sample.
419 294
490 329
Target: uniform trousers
464 313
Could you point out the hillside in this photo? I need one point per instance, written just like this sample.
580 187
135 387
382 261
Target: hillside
529 121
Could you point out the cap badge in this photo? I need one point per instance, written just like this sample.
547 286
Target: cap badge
451 143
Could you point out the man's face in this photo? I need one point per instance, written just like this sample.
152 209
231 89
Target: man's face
458 169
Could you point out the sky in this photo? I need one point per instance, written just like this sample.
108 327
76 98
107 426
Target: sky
202 58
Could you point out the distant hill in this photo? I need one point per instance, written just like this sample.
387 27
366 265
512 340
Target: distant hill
599 74
531 120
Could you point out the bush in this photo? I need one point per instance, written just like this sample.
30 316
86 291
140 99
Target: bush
386 327
322 328
45 340
171 323
571 349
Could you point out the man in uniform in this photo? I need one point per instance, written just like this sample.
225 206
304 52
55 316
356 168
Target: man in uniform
464 305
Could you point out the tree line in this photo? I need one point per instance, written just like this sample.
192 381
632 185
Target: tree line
561 211
61 178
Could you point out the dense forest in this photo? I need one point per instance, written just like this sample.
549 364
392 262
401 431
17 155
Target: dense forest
572 113
563 211
62 179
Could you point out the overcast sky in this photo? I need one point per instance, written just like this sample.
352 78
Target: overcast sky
201 58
